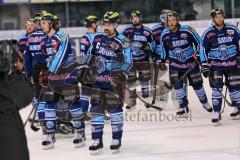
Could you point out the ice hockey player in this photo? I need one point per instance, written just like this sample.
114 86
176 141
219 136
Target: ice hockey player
91 23
141 42
30 27
59 60
179 44
34 61
111 60
156 32
220 57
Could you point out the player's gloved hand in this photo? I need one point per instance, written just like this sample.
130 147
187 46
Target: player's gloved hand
43 77
119 77
161 65
84 75
147 48
205 69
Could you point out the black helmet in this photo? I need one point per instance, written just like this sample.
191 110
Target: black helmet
38 15
111 17
8 55
49 18
172 14
163 15
216 11
89 20
135 13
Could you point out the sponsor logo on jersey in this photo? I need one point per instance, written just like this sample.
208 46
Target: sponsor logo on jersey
84 41
113 45
35 39
223 40
105 78
35 47
183 35
140 38
129 30
230 31
179 43
106 52
146 33
210 34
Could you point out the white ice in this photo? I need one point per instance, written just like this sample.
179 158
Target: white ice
194 138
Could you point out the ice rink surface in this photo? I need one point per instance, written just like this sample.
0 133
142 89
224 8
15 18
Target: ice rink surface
151 135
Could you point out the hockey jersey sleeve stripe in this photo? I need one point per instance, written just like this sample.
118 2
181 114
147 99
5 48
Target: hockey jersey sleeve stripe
163 53
59 55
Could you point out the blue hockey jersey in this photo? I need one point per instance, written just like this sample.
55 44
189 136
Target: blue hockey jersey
59 51
178 47
110 54
35 52
139 38
22 42
220 47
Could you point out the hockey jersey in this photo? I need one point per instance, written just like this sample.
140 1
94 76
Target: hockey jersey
35 51
178 47
59 51
220 47
139 38
22 42
110 54
86 43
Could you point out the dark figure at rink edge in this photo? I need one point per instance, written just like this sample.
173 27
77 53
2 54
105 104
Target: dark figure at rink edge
110 62
220 57
59 59
15 94
179 44
141 42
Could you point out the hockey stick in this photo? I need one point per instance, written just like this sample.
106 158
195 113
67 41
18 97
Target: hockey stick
170 87
224 97
28 116
148 105
33 127
224 104
156 70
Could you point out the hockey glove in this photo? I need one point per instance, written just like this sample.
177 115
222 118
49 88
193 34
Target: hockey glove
161 65
119 77
43 77
84 76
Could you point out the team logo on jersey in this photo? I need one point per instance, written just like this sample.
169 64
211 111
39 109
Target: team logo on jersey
230 32
146 33
223 52
100 64
126 43
136 48
180 54
54 44
113 46
183 35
